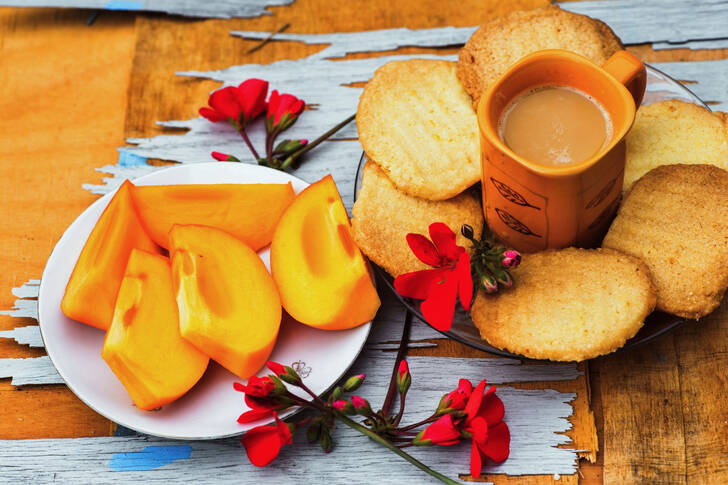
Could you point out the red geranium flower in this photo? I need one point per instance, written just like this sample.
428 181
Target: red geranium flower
258 398
439 287
257 386
283 110
240 105
458 398
484 421
263 443
442 432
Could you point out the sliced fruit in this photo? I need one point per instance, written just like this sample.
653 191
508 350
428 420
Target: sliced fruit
143 345
228 302
247 211
94 283
322 276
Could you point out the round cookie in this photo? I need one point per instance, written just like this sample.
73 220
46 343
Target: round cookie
498 44
675 219
568 305
416 122
383 215
672 132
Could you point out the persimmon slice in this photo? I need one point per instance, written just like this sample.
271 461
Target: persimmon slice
143 345
247 211
228 302
91 290
322 277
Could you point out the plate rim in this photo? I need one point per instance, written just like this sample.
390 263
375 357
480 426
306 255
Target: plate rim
107 196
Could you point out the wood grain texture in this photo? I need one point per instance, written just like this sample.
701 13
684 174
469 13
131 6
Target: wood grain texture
63 97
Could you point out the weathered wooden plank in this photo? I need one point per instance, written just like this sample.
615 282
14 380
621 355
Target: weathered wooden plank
708 79
30 371
693 44
28 335
99 460
188 8
341 44
658 20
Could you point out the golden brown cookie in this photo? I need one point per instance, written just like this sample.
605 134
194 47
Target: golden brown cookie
567 305
671 132
500 43
384 215
675 219
416 122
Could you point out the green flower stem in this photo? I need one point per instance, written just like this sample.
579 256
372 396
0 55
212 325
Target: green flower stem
431 419
354 425
400 355
310 146
247 142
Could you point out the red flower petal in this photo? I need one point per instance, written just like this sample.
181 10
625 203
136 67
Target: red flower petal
471 409
424 249
418 283
479 429
444 240
225 101
260 403
465 280
491 409
238 387
283 431
262 444
476 463
497 448
251 98
277 368
439 307
442 432
212 115
254 415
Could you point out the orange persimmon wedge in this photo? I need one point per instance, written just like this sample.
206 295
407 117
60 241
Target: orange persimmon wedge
228 304
143 345
247 211
322 276
94 283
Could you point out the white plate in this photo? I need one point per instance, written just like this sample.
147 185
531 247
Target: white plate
211 408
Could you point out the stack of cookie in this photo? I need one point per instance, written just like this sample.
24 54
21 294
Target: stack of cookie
667 248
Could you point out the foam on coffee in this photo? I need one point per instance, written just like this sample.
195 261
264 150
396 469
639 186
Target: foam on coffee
555 125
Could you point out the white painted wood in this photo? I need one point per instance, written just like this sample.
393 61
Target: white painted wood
23 308
30 371
341 44
709 79
537 420
29 289
28 335
188 8
658 20
693 44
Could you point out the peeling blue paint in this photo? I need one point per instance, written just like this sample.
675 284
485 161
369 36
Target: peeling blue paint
129 159
123 5
149 458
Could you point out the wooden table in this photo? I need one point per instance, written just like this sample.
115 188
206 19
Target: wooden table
72 93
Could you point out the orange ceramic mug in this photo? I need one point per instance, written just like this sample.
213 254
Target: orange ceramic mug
531 206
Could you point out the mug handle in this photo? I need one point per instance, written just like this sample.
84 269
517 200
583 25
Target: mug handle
630 71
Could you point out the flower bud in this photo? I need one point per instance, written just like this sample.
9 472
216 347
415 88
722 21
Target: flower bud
344 407
287 147
361 406
353 382
275 367
313 433
224 157
337 393
404 379
326 442
489 284
511 258
467 231
504 278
